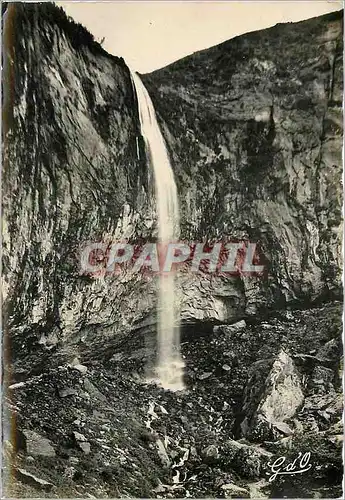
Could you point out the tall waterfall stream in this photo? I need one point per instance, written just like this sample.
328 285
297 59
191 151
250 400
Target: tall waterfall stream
169 365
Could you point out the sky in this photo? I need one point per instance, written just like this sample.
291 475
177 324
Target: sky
152 34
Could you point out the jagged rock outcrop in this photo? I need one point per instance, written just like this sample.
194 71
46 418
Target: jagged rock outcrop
36 445
271 399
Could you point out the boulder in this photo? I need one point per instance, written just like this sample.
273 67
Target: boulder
230 329
67 391
76 365
257 489
162 453
234 491
28 478
82 442
283 427
270 401
93 391
18 385
36 445
85 447
79 437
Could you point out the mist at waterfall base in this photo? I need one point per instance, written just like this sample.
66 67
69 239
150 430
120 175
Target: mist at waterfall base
169 365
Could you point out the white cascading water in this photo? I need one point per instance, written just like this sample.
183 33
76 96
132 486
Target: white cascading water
169 368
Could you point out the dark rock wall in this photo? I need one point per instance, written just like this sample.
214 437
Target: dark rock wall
254 128
70 169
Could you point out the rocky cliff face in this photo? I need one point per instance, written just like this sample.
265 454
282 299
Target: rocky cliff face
254 129
71 171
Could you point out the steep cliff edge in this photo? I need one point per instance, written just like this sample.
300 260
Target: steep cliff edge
71 172
254 127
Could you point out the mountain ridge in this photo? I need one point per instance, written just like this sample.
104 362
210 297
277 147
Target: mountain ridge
335 15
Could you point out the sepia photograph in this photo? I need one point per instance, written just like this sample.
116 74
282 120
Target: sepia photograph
172 259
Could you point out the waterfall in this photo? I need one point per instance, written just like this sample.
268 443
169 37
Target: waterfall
169 365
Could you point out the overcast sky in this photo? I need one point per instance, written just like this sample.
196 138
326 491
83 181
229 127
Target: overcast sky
151 34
